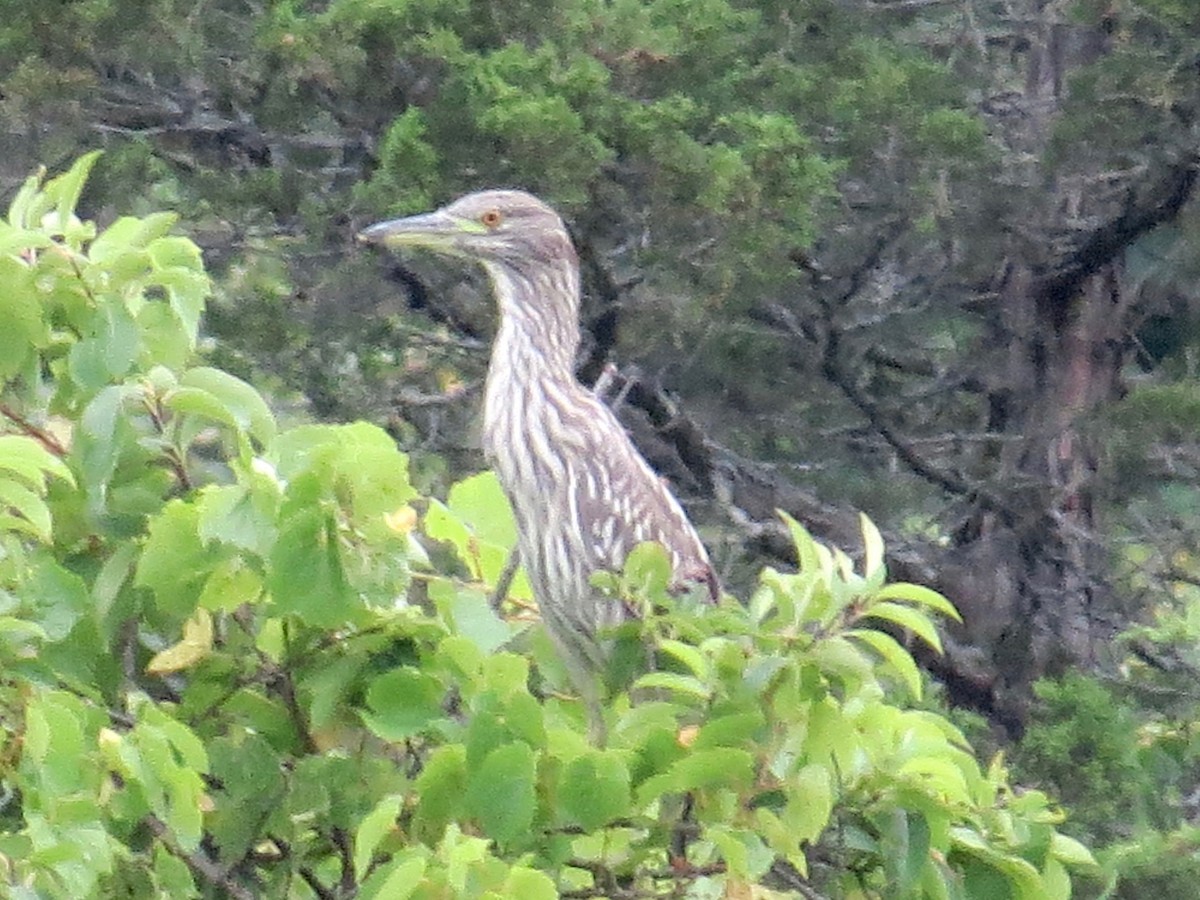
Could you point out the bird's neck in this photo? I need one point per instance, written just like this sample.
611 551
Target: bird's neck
539 321
533 355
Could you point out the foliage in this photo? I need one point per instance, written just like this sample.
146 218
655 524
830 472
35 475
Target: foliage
1155 865
1122 755
1083 743
821 204
230 667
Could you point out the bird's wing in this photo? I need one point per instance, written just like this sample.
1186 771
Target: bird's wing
624 503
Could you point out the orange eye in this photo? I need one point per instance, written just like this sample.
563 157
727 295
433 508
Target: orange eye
492 218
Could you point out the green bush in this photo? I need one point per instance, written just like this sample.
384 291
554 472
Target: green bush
1082 742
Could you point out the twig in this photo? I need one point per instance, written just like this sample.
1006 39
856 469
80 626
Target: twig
174 458
200 863
504 582
346 852
310 878
283 683
43 437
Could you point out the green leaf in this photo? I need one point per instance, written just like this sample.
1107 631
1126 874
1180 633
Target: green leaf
737 729
372 829
746 857
480 502
1071 851
690 656
34 515
904 842
28 458
647 571
528 884
178 268
894 655
395 881
237 515
594 790
166 760
15 241
471 615
23 210
1018 872
358 463
171 874
249 789
175 561
715 767
674 682
305 576
129 232
230 585
940 775
54 739
478 522
66 188
60 597
920 595
112 577
872 548
107 353
500 793
21 316
188 748
375 471
1056 881
195 402
163 340
244 406
439 788
907 617
842 658
404 702
505 673
806 547
98 441
810 803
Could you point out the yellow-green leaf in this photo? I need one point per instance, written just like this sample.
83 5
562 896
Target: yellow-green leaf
895 656
872 547
907 617
920 595
1071 851
373 828
195 645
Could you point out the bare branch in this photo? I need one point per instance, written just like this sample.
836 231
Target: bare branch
43 437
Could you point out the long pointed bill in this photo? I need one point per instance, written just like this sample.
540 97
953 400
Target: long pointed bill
434 230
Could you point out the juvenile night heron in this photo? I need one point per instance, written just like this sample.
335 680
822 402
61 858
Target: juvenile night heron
582 494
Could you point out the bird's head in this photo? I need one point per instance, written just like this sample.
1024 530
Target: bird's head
510 228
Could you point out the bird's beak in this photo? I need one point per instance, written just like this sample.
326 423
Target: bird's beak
435 230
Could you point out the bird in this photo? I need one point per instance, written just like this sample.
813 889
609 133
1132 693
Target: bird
582 495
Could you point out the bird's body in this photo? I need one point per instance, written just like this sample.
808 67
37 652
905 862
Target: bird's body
582 495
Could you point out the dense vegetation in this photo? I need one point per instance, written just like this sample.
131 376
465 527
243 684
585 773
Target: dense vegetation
934 261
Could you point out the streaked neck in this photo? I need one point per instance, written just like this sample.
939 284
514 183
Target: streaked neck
539 320
533 356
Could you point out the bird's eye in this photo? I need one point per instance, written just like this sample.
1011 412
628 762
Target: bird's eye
492 218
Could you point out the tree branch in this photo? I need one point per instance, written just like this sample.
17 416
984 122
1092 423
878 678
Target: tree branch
201 865
1161 203
43 437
